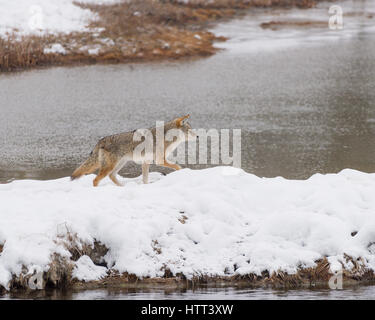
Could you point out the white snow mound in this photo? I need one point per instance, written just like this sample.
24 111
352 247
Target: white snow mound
86 270
217 221
24 17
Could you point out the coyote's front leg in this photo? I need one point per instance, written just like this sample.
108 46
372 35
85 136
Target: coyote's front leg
145 170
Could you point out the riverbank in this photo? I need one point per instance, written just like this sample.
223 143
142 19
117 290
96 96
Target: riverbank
142 30
305 278
173 233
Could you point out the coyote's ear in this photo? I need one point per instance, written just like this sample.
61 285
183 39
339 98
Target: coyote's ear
181 121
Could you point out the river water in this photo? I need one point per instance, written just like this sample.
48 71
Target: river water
357 293
303 96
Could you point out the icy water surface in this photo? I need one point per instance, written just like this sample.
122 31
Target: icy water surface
303 108
357 293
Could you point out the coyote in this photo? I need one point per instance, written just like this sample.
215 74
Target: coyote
113 152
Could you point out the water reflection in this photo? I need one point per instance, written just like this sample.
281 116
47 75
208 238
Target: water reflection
357 293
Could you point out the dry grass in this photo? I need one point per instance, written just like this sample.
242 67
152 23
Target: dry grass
140 30
276 25
304 278
22 54
240 4
71 242
317 276
285 3
143 15
60 275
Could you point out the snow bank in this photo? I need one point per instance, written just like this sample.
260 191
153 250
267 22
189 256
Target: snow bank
55 48
86 270
45 16
217 221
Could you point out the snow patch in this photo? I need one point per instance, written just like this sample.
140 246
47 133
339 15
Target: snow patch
218 221
55 48
86 270
24 17
91 49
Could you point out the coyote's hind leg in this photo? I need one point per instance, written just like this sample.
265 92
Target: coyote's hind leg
113 174
103 172
113 177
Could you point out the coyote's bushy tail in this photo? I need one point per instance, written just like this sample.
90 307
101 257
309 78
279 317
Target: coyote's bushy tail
89 166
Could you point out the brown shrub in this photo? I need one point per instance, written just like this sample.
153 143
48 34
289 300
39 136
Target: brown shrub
23 53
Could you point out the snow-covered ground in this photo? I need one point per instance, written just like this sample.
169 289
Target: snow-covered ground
25 17
215 221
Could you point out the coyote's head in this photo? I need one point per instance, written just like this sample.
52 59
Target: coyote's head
183 124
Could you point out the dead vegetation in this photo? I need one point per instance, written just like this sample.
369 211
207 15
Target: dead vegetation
141 30
316 277
59 274
22 54
60 270
183 217
241 4
77 248
276 25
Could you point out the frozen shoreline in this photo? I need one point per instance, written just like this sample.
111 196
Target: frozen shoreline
217 222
